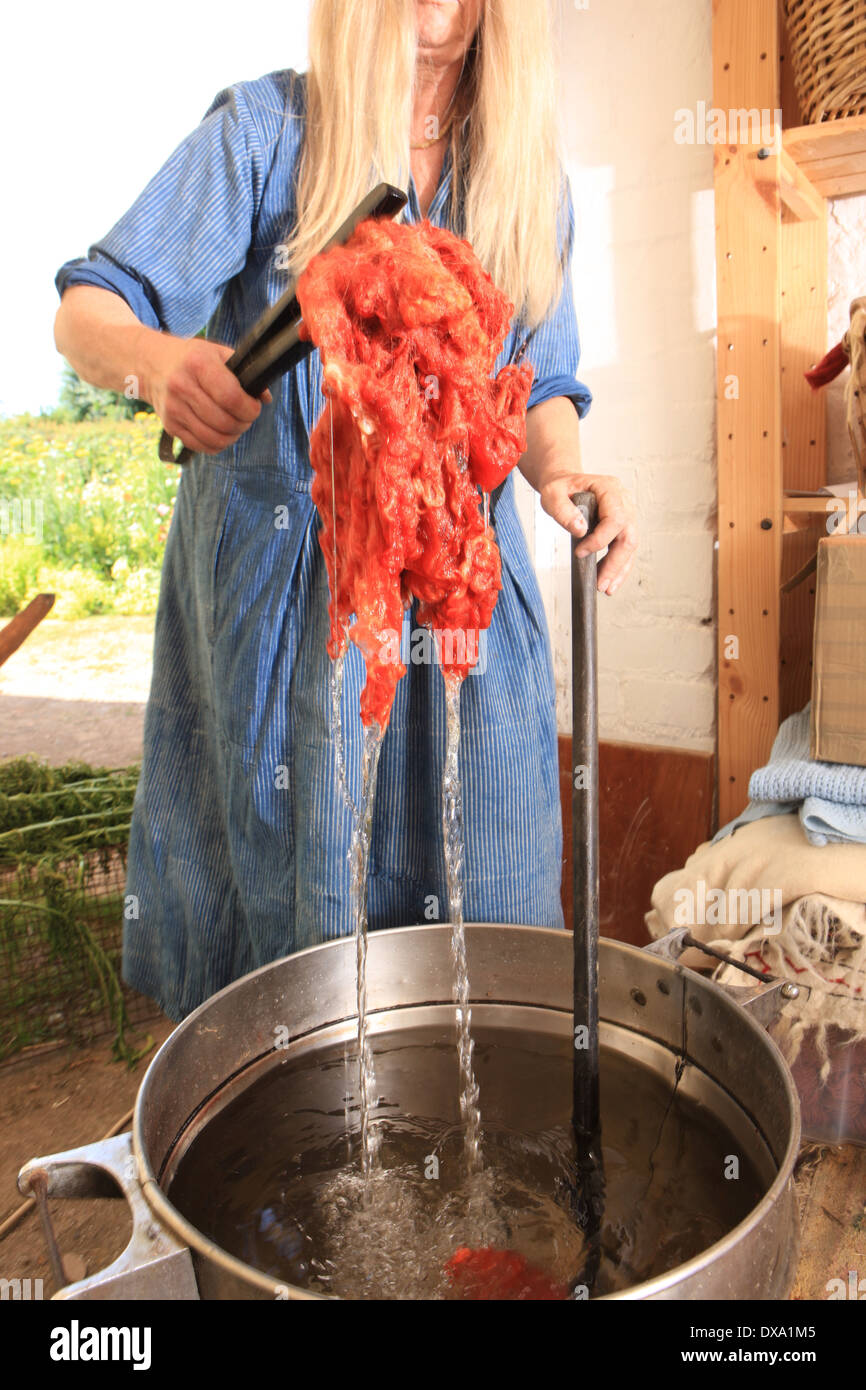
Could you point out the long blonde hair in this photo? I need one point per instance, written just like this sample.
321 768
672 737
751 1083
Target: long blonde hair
505 155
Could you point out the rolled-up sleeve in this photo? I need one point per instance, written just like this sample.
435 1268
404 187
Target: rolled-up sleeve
171 255
553 347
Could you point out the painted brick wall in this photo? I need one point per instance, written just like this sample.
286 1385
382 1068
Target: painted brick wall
645 294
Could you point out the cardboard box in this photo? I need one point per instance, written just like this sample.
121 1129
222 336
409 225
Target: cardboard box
838 731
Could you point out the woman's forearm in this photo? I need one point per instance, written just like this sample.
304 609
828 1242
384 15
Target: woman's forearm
186 380
551 464
552 442
552 459
100 336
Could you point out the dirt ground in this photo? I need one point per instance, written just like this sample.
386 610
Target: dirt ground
73 690
55 1100
78 691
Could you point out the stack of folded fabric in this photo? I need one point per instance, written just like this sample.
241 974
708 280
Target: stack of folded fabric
828 798
793 910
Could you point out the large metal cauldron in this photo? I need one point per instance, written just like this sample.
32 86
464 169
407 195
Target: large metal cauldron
520 981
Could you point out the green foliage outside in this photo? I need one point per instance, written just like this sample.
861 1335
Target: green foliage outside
81 401
85 506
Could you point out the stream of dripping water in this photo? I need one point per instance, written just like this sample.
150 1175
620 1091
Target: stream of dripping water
360 859
359 854
337 729
454 847
454 844
338 665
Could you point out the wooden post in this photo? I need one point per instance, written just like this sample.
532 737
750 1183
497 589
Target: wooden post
804 339
748 259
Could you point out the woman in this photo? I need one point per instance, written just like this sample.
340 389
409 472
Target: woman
239 846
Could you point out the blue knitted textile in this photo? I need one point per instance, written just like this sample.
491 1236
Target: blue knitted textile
830 798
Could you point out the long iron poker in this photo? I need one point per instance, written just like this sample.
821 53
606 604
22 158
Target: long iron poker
589 1190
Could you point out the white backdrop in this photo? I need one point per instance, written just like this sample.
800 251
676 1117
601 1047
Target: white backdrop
96 97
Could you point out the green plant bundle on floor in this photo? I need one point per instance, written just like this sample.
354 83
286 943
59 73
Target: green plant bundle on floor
63 838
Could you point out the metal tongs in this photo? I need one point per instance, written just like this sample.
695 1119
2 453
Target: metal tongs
274 344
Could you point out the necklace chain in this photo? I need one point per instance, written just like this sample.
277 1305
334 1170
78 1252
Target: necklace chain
447 122
427 144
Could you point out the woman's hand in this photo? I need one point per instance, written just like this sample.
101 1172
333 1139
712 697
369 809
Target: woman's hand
616 527
186 380
552 465
197 398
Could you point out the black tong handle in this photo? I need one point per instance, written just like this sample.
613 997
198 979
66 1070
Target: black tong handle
274 344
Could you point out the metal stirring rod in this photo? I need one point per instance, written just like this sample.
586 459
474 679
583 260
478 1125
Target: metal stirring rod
588 1196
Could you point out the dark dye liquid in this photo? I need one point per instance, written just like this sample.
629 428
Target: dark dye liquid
276 1178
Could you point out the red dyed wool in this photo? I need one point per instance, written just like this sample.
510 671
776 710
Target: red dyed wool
409 326
488 1274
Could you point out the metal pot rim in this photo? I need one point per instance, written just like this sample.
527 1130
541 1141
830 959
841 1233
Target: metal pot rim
649 1288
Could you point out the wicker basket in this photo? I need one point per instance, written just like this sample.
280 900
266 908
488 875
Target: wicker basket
827 50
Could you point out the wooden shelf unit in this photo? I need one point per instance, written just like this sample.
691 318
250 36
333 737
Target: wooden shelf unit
832 155
771 280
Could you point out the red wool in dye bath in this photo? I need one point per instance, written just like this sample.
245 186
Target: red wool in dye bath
488 1274
409 326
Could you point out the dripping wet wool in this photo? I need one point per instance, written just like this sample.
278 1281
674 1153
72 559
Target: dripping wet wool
416 431
416 427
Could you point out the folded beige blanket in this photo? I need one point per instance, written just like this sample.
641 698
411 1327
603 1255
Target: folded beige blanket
791 909
771 855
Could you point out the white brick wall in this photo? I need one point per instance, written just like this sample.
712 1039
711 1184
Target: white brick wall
645 296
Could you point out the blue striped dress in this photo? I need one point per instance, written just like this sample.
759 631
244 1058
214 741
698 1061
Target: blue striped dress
239 849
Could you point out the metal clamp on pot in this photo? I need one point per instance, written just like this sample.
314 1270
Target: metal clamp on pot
764 1000
155 1264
